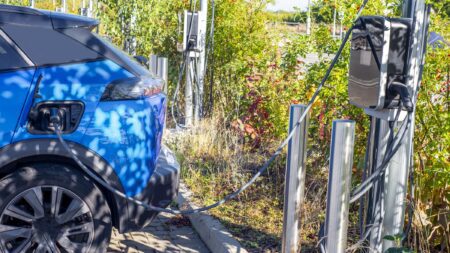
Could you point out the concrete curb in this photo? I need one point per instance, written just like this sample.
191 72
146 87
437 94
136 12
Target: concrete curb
211 231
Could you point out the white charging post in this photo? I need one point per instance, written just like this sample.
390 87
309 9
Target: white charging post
194 48
396 179
391 209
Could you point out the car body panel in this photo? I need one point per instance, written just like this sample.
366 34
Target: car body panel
126 133
119 140
14 89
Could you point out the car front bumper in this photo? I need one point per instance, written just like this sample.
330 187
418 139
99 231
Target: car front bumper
161 190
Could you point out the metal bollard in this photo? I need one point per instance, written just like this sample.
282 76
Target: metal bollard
153 64
163 71
339 182
295 180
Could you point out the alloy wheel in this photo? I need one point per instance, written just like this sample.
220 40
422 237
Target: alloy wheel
46 219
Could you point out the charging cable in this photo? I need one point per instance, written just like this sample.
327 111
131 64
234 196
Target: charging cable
57 124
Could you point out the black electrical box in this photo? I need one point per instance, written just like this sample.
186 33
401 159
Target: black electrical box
379 53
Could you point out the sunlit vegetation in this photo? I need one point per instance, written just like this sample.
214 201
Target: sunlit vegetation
258 72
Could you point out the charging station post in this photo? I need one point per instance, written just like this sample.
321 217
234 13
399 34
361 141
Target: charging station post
202 19
188 94
399 169
194 50
386 201
295 179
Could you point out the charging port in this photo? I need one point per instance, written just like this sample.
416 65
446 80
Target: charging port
69 114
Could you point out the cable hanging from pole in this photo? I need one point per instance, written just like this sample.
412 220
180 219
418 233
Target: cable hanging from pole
175 110
184 64
264 167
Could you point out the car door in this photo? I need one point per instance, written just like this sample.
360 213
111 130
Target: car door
16 77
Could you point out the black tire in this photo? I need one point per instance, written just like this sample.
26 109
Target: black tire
56 184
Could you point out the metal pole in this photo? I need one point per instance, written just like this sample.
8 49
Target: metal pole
334 20
364 211
341 29
339 182
153 64
295 180
188 95
32 3
377 213
397 172
308 19
202 19
91 9
163 73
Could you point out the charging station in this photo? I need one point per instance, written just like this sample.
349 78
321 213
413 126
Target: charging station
191 40
378 65
382 63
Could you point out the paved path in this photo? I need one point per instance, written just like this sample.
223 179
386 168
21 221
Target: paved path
167 233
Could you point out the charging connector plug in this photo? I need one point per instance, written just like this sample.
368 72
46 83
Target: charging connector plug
402 90
55 116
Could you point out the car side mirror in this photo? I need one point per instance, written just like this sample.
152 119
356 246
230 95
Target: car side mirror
141 59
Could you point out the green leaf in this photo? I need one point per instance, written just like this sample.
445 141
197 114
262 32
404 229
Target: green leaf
399 250
390 238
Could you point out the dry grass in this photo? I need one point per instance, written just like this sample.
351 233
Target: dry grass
215 163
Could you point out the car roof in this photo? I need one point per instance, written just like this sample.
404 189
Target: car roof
18 15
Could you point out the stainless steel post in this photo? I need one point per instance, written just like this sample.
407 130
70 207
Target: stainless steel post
163 71
339 182
153 64
188 94
203 24
397 173
91 9
377 211
308 19
295 179
334 20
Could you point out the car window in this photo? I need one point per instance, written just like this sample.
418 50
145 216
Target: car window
9 58
137 67
46 46
104 47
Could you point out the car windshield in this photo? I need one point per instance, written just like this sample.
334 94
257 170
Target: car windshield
130 61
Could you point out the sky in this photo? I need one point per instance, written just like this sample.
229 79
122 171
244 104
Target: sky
288 5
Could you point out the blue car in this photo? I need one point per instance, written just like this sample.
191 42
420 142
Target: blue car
111 112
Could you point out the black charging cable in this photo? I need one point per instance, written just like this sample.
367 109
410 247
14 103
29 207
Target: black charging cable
56 120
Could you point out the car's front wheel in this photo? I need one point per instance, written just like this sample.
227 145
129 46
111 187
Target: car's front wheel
49 208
